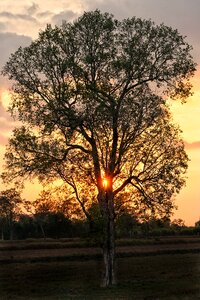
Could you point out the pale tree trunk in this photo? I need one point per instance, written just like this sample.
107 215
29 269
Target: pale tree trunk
109 274
42 230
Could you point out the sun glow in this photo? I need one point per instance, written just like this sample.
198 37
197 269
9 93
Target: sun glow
105 182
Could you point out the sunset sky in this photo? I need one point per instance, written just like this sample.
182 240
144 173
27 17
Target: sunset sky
20 22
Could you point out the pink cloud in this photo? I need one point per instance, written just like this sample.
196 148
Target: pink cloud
194 145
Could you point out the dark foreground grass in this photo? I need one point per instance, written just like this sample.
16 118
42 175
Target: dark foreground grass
166 277
82 243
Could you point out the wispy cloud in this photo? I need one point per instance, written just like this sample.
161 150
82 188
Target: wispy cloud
67 15
9 15
2 26
194 145
44 14
33 8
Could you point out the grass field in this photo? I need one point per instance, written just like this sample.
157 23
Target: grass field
164 276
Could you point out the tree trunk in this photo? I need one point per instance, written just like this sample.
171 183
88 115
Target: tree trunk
109 275
42 230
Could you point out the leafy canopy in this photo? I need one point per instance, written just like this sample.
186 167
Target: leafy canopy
91 96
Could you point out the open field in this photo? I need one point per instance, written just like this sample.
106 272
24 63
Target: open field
148 276
72 249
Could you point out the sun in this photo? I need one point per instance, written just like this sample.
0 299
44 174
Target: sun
105 182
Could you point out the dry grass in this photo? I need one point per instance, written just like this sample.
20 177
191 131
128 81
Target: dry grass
149 277
61 250
62 270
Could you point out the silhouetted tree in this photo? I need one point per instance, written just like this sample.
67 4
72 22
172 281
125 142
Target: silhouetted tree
9 208
197 224
58 199
92 98
127 225
178 223
25 227
51 212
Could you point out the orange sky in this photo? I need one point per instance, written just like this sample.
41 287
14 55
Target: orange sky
20 22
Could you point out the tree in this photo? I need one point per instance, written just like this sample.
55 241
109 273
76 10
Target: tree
178 223
197 224
10 201
25 227
92 97
54 206
57 199
126 225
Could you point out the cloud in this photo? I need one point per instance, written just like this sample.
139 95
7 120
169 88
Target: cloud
44 14
20 20
181 14
3 140
66 15
2 26
10 42
9 15
192 146
29 19
33 8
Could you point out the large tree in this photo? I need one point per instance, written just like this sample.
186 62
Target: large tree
92 97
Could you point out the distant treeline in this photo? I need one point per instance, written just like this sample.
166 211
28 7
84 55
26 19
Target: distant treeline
57 225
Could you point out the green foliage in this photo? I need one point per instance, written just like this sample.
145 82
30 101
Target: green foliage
92 96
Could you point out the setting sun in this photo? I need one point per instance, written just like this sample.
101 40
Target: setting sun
105 182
